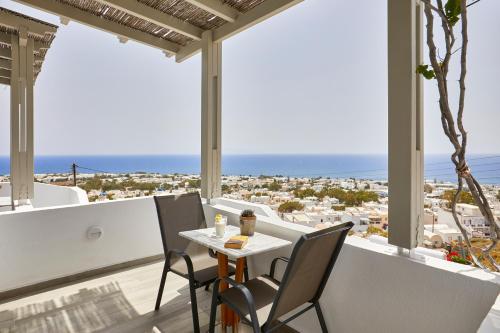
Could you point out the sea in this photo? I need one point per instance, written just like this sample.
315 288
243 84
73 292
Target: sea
364 166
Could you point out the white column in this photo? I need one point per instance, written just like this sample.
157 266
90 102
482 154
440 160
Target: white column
21 90
405 124
211 79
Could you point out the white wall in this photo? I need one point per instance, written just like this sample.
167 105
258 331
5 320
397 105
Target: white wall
44 244
4 190
372 289
51 195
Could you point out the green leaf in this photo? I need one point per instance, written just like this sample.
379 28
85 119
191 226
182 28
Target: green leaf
452 10
429 74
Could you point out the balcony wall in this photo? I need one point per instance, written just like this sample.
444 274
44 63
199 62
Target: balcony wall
372 289
51 195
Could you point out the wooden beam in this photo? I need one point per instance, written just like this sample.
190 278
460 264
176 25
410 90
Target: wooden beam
38 45
77 15
244 21
137 9
14 22
188 51
254 16
217 8
5 81
4 72
5 38
5 64
5 53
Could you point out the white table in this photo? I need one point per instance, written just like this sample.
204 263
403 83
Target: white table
258 243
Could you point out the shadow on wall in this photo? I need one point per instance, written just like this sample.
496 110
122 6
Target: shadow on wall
89 310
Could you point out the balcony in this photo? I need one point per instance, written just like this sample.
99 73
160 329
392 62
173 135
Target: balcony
81 267
108 283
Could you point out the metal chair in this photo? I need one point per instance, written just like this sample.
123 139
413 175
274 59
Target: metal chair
261 301
183 257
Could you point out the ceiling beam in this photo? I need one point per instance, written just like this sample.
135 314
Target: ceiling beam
5 53
77 15
188 51
14 22
216 8
6 38
5 64
4 72
246 20
137 9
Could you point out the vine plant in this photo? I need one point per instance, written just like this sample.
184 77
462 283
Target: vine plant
449 13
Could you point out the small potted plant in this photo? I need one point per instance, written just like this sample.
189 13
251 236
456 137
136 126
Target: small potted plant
247 222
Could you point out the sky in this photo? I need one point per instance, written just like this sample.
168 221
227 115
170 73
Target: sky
310 80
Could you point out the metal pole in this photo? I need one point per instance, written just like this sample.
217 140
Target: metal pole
74 174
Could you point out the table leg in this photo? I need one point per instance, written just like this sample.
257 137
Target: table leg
223 272
228 317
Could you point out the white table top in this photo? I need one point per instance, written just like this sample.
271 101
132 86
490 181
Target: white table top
258 243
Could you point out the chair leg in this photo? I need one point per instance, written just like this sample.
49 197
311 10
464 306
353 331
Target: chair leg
213 308
245 272
162 285
321 318
194 306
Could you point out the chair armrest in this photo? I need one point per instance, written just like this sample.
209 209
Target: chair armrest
183 255
246 294
212 253
273 265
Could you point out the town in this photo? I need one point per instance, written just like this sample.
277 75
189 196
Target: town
314 202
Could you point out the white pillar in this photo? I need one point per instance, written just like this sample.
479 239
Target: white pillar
21 91
406 179
211 80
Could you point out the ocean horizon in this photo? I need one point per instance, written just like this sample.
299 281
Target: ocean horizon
366 166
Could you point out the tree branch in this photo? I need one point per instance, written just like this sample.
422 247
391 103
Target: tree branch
458 139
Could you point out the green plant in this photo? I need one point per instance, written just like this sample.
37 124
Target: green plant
247 213
372 230
290 206
274 186
464 197
338 207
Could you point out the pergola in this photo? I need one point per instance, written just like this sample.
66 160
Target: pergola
24 42
183 28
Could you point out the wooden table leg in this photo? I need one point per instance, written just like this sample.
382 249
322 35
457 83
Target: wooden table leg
228 317
223 272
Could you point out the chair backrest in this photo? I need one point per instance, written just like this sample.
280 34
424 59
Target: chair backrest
178 213
309 268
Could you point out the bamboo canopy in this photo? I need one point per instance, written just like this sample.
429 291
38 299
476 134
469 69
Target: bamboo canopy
173 26
42 33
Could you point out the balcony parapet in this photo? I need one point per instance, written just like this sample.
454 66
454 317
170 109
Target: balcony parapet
387 291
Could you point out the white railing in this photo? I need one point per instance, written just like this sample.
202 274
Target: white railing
372 289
